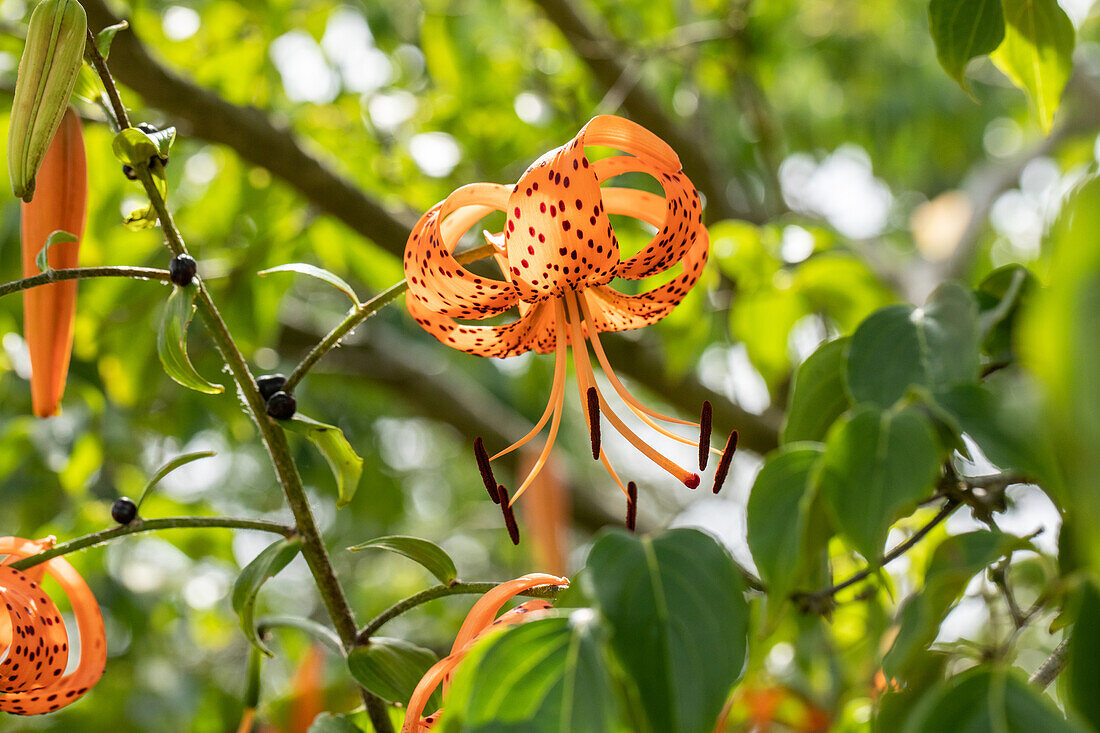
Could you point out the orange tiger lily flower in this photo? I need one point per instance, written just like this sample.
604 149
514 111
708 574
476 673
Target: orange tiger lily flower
60 202
34 638
559 255
478 621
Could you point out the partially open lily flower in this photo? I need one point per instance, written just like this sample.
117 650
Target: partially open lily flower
478 621
559 255
34 643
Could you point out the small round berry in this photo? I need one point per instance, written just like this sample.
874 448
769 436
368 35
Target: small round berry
269 384
147 128
129 172
181 270
124 510
282 406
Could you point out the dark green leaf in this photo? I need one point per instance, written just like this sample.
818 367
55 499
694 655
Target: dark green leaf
1037 53
963 29
266 565
170 466
818 396
779 518
987 700
428 554
172 340
346 465
878 465
545 676
390 668
677 620
899 347
1082 683
321 274
332 723
41 260
955 561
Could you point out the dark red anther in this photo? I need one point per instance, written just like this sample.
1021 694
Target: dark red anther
704 435
594 421
631 505
509 516
724 464
486 469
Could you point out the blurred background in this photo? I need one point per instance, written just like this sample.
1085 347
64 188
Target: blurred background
842 170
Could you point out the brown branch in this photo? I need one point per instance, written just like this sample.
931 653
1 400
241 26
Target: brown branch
1052 667
609 63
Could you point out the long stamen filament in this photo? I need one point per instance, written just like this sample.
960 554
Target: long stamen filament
580 359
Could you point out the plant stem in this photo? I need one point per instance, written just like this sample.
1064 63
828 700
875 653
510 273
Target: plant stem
1052 667
364 311
313 548
79 273
440 591
91 52
150 525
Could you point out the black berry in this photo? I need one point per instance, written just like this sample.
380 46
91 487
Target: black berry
282 406
129 172
181 270
147 128
124 511
269 384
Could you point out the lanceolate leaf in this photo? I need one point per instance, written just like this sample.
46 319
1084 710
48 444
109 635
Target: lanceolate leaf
428 554
877 466
677 619
544 676
42 259
172 340
170 466
818 397
104 38
323 634
266 565
390 668
1037 53
313 271
963 29
345 463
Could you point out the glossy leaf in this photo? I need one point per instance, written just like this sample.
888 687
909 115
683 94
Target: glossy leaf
963 29
172 340
899 347
987 700
433 557
390 668
346 465
878 465
955 561
303 268
677 621
818 396
544 676
251 579
134 147
1037 53
170 466
779 515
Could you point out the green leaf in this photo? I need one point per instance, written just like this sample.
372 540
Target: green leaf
321 633
987 700
818 396
332 723
1081 683
89 87
172 340
170 466
41 260
321 274
545 676
105 37
878 465
252 689
963 29
390 668
346 465
428 554
899 347
266 565
1002 295
677 619
779 515
1037 53
955 561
